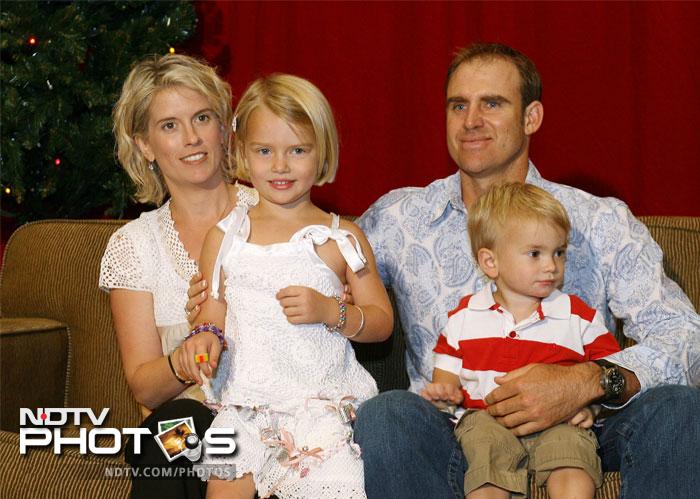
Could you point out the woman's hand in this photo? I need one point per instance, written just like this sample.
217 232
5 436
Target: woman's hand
197 294
186 358
302 305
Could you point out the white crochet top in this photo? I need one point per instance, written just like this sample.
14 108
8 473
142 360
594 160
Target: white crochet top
276 362
147 255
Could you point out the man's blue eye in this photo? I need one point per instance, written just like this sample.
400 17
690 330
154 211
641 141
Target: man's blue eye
459 107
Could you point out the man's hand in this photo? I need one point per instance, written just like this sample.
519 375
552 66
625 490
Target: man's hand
538 396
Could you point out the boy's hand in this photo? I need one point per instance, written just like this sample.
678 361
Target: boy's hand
442 394
585 417
302 305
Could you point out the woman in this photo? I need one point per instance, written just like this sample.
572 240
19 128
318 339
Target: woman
172 125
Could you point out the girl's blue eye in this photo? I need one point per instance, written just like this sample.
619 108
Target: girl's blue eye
168 125
203 117
299 150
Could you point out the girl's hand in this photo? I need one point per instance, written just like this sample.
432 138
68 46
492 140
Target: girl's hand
302 305
185 361
197 294
442 394
585 417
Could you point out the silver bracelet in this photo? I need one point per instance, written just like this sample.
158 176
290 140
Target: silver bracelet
362 322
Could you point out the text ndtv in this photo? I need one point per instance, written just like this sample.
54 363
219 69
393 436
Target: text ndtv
217 441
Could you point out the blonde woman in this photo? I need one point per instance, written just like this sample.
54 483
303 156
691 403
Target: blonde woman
172 125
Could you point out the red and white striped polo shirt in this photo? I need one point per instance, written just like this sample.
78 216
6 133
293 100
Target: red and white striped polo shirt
481 340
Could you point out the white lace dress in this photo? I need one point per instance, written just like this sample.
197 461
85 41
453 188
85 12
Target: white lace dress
147 255
287 396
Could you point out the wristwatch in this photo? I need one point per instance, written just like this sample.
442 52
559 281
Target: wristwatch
612 381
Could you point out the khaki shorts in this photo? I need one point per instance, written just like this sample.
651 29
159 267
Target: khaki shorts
496 456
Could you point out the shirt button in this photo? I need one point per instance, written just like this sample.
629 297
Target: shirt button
512 334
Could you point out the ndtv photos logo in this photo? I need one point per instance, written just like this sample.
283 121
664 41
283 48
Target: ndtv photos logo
176 437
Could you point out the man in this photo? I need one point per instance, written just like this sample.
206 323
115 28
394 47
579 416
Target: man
420 241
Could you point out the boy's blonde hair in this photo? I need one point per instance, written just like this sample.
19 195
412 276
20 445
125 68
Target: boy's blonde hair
301 104
490 215
130 115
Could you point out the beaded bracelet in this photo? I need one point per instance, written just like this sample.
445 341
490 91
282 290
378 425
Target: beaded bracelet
342 317
208 326
362 322
177 376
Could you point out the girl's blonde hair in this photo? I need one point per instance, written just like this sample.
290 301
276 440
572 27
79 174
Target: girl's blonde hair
130 115
490 216
301 104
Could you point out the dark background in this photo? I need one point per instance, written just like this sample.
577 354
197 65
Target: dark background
620 80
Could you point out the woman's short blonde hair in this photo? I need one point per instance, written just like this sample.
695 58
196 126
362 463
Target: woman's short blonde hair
490 216
130 115
301 104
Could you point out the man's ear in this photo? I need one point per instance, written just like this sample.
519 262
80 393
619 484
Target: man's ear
144 148
488 263
533 116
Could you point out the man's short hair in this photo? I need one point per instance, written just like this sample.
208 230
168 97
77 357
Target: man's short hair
493 212
530 81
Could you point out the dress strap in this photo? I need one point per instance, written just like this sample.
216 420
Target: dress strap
235 223
319 234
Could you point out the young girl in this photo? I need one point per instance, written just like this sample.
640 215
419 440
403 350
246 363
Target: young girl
293 377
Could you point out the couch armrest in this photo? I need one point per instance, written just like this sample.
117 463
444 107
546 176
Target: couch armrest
34 366
41 473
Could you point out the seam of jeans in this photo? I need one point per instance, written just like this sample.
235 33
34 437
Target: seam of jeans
453 468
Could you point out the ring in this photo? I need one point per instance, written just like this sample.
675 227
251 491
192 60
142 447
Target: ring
201 357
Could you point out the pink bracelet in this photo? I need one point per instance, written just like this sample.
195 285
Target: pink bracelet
208 326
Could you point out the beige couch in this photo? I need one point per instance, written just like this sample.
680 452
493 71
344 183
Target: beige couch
58 348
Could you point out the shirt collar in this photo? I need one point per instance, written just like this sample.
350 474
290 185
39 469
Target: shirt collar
533 175
556 306
451 196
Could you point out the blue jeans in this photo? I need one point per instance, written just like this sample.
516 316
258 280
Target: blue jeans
409 450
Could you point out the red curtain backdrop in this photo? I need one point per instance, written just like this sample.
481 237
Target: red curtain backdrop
621 87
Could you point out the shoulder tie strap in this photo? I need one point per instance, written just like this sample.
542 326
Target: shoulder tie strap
319 234
236 222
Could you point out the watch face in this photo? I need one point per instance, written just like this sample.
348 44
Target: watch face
616 383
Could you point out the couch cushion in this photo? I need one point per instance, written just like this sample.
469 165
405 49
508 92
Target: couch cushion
51 270
41 347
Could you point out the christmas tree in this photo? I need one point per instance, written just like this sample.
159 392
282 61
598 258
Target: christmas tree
62 69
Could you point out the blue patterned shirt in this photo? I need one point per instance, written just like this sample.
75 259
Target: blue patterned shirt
420 240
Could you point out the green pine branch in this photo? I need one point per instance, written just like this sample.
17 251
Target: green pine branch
57 98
